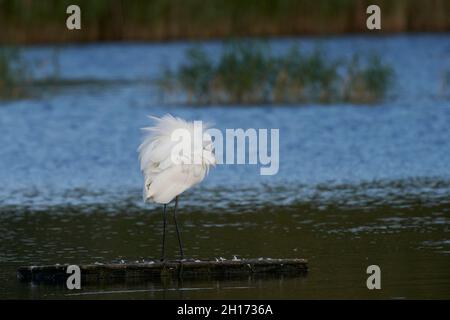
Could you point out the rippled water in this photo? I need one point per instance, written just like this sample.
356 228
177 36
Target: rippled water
357 185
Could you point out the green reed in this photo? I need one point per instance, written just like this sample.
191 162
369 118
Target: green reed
13 73
248 73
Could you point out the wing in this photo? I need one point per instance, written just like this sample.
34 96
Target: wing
164 179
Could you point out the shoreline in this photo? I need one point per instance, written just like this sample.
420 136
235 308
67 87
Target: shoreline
30 23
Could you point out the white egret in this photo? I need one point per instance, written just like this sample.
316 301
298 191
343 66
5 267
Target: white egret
167 172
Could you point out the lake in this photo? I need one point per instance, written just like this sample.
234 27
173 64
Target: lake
357 185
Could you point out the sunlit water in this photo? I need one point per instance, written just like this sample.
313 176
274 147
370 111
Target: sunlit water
357 185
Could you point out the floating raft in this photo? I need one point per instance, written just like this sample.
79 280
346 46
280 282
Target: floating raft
93 273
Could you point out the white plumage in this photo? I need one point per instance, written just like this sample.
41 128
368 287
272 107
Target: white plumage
164 178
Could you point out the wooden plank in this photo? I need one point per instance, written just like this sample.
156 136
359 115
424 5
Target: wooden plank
155 270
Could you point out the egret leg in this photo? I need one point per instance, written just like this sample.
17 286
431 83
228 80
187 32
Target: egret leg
176 227
164 234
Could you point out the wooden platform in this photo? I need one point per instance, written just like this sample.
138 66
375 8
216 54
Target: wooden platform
169 269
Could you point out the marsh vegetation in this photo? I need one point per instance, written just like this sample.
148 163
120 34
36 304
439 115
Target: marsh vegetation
246 72
24 21
13 73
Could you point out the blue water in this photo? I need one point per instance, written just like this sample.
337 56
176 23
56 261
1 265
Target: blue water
78 144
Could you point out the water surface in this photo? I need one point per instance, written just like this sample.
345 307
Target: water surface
357 185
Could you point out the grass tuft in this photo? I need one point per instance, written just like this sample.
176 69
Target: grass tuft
247 73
